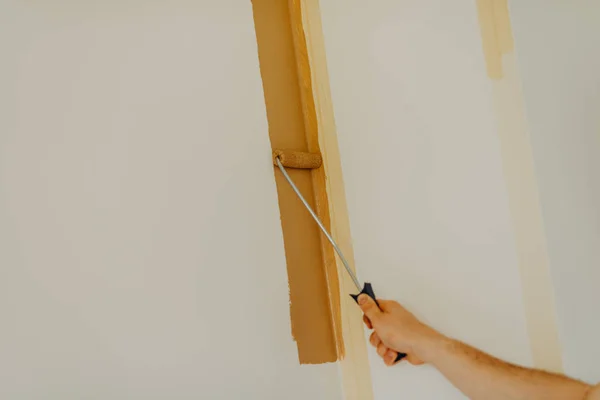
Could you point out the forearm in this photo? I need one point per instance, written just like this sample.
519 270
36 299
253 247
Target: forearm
483 377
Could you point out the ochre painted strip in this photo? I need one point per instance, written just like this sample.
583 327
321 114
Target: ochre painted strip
314 313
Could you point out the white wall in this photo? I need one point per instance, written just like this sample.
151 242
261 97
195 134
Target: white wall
423 173
140 245
557 48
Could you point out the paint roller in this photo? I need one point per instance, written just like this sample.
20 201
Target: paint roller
302 160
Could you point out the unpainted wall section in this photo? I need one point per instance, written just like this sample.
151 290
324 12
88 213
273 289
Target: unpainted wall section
141 253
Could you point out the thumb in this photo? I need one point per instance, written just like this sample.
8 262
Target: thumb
368 306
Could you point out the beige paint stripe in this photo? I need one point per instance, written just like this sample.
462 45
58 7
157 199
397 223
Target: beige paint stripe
519 173
528 227
355 370
313 132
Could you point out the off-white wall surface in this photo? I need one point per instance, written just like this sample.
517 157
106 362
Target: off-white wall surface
423 174
557 48
140 245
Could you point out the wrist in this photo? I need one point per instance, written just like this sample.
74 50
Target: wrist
430 344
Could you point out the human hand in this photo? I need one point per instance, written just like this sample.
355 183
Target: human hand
396 331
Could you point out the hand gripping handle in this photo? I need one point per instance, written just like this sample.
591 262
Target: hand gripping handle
368 290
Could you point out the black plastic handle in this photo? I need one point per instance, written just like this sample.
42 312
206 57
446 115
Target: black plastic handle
368 290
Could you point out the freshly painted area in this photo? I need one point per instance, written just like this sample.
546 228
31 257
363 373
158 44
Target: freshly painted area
313 283
557 53
424 177
141 253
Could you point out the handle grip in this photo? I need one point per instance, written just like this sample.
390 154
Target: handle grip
368 290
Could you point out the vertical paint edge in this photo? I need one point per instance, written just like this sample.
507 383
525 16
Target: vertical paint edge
354 367
519 173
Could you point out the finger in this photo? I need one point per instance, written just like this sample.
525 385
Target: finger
374 339
367 322
369 307
389 357
381 349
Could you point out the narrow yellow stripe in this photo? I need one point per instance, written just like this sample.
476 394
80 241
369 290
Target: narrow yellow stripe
503 27
496 34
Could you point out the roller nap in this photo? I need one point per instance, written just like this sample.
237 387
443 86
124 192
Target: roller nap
297 159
